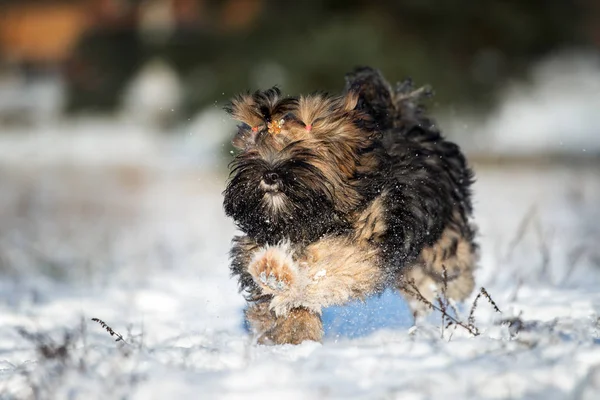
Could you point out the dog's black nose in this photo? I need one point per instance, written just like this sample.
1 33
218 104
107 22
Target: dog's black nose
270 178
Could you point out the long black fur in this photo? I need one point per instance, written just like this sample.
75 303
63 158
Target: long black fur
426 178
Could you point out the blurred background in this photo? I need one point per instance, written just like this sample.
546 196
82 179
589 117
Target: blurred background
114 145
165 63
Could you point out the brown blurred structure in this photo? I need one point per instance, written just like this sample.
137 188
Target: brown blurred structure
48 31
40 32
466 50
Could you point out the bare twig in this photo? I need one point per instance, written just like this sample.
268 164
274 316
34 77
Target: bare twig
574 257
110 330
471 318
529 216
544 238
482 293
411 288
490 300
48 348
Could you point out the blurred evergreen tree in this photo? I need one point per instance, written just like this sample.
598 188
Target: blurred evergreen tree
465 49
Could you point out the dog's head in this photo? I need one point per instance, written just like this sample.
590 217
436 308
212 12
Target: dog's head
295 174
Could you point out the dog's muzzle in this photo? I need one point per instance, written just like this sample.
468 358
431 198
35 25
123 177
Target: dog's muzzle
270 182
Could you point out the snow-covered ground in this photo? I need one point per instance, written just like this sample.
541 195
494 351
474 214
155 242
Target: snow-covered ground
138 239
553 111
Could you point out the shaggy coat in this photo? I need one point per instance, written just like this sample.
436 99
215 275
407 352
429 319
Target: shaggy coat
339 197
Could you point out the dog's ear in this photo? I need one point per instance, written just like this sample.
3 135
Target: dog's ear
375 96
245 136
350 100
244 108
352 105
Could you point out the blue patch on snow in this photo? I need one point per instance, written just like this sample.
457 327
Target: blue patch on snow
361 318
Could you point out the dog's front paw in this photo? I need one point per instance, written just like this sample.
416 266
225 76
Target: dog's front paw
273 269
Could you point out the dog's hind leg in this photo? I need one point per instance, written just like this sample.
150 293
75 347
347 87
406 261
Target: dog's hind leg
445 268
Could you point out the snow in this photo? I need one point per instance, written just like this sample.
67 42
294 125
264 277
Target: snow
129 233
554 111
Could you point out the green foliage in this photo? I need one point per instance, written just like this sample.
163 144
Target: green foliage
464 49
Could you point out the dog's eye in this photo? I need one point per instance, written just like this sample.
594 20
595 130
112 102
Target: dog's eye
243 127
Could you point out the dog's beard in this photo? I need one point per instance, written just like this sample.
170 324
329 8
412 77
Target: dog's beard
276 203
299 206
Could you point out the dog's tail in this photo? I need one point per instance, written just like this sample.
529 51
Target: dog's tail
400 107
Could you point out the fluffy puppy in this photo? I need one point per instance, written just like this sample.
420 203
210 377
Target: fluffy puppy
339 197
